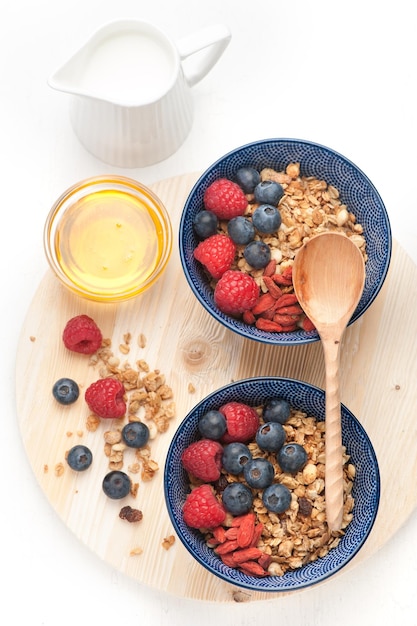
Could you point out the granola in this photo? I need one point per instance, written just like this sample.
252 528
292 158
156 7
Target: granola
308 207
299 535
149 398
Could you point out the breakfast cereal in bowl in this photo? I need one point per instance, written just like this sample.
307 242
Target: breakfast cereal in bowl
249 214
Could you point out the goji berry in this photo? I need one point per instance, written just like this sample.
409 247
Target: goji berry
219 533
238 519
270 268
246 554
287 273
307 324
248 317
272 287
257 534
265 561
228 560
280 279
268 325
289 328
268 314
265 302
252 568
228 546
294 309
245 531
287 299
285 320
231 533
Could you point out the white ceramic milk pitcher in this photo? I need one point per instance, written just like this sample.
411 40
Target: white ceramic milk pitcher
132 103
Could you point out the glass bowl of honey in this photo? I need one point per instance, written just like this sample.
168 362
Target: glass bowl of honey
108 238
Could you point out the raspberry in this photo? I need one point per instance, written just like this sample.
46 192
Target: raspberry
225 198
203 459
81 334
202 509
242 422
236 292
216 253
105 398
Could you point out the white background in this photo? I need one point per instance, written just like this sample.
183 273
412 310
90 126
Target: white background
339 73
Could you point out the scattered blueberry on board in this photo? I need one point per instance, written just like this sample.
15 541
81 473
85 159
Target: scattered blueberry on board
79 458
135 434
65 391
116 485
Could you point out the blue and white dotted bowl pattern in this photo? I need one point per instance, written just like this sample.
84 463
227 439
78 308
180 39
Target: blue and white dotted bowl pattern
311 400
356 191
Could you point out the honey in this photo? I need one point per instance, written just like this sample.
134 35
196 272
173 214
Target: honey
111 241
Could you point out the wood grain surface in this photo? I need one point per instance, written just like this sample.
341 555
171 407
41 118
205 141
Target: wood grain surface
378 384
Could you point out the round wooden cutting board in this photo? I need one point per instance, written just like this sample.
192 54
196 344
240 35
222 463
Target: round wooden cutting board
198 355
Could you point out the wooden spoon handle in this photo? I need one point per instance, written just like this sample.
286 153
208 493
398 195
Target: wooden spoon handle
334 456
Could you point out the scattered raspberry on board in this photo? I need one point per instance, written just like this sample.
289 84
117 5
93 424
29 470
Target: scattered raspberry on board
105 398
81 334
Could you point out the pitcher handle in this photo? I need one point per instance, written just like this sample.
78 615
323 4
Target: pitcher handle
214 40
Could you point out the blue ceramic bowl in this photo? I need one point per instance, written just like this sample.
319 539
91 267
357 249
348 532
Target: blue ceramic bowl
366 486
356 191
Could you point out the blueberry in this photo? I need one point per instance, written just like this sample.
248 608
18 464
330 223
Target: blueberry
79 458
205 224
259 473
276 410
116 485
66 391
257 254
135 434
237 498
212 425
235 456
266 218
276 498
247 178
240 230
268 192
270 436
292 457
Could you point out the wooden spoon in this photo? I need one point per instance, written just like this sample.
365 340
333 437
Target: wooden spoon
329 277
